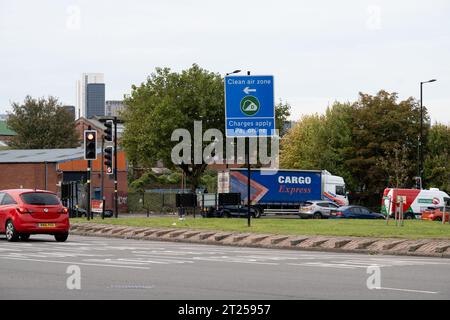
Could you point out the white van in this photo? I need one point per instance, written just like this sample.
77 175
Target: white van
416 201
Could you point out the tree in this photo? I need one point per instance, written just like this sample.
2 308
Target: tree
380 125
397 167
42 124
372 143
335 139
300 147
282 113
437 159
170 101
321 142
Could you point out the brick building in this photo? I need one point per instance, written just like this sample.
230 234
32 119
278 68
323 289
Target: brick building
48 169
6 134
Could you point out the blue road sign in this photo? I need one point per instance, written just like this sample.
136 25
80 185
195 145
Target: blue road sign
249 106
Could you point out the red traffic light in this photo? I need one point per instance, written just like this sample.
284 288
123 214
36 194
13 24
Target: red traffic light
90 145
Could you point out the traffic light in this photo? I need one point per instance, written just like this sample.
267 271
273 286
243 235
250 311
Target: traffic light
109 130
109 160
90 145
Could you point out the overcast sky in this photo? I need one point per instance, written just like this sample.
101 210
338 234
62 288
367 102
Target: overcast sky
318 51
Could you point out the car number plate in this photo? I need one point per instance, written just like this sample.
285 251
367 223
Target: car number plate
46 225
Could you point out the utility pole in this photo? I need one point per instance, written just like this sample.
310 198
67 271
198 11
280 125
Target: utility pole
116 195
421 142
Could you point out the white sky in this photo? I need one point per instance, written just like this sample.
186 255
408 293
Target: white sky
318 51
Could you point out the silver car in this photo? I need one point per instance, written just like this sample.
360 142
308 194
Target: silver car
317 209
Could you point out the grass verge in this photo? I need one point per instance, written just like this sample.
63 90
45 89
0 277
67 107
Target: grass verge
354 228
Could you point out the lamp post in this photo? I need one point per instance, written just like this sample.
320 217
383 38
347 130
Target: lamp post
420 167
226 159
234 72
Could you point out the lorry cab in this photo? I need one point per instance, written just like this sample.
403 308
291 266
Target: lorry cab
334 189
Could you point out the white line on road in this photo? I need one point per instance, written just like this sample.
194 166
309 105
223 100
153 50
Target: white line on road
233 261
77 263
409 290
325 265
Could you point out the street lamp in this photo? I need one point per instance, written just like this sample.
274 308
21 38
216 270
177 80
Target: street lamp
234 72
420 169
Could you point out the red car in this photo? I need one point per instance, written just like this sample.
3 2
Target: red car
25 212
435 213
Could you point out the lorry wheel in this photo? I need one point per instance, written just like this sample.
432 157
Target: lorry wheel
317 216
257 214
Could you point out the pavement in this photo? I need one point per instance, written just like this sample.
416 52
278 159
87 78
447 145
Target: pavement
131 269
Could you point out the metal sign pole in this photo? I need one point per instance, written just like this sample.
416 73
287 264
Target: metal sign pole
249 170
389 208
397 208
401 212
249 112
116 195
103 207
443 214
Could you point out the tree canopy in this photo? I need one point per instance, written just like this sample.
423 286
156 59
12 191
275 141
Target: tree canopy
171 100
168 101
372 143
42 124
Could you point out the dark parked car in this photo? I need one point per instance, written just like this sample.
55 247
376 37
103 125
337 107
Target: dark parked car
231 211
355 212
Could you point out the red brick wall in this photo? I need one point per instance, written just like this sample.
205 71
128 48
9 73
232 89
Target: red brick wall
28 176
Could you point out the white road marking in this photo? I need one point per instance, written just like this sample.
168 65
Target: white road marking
409 290
118 253
77 263
232 261
119 261
325 265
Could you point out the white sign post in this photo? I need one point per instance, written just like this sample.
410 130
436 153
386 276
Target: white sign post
399 217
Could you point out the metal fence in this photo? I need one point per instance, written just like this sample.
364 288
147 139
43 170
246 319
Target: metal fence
152 203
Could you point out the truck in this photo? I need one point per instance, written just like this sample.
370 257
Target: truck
416 201
283 191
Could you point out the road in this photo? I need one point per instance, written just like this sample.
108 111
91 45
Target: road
131 269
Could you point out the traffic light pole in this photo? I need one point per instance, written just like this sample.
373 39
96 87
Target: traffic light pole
116 195
102 170
102 190
88 196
